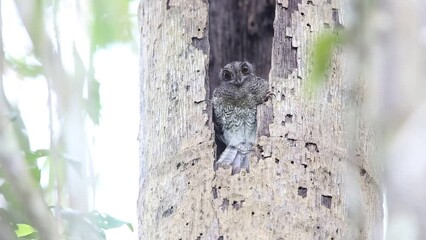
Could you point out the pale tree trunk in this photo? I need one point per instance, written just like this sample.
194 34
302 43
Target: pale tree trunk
309 179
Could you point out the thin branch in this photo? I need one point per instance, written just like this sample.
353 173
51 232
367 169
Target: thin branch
31 199
5 229
68 92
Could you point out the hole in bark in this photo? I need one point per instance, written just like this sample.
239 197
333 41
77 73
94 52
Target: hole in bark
187 224
225 204
362 172
277 160
252 213
214 192
168 212
231 39
292 162
237 205
238 30
329 97
301 191
336 20
201 44
290 140
326 201
260 148
289 118
194 161
312 147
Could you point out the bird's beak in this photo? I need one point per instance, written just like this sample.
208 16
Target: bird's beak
240 81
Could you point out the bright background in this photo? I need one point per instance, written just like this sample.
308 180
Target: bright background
113 146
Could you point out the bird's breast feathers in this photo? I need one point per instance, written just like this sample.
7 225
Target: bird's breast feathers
238 123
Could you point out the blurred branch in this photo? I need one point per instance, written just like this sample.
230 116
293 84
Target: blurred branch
15 171
14 168
6 231
3 103
30 13
68 92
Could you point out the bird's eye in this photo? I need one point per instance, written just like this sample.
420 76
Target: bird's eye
245 69
227 75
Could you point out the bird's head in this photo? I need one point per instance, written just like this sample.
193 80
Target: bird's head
236 73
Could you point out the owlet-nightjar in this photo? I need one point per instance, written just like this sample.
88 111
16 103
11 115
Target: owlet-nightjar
235 103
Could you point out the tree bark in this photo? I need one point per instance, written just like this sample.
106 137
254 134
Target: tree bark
305 182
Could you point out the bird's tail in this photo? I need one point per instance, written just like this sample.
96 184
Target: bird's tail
235 158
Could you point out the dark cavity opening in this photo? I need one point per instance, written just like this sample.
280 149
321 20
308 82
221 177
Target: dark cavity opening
239 30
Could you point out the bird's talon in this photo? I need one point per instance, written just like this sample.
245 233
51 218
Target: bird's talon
269 95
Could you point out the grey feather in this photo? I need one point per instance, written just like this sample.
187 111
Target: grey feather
227 157
246 163
235 103
236 164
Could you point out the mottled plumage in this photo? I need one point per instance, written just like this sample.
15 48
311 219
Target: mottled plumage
235 103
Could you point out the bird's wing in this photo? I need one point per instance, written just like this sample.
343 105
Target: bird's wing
259 88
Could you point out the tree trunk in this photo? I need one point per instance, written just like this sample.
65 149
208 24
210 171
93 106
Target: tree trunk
298 186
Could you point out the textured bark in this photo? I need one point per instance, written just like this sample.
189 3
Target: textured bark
177 150
297 187
240 30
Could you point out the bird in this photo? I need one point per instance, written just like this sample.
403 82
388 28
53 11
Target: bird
235 103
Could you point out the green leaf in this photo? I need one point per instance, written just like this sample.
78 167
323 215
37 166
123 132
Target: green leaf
93 103
321 57
23 68
24 230
31 158
21 135
111 22
105 221
38 154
